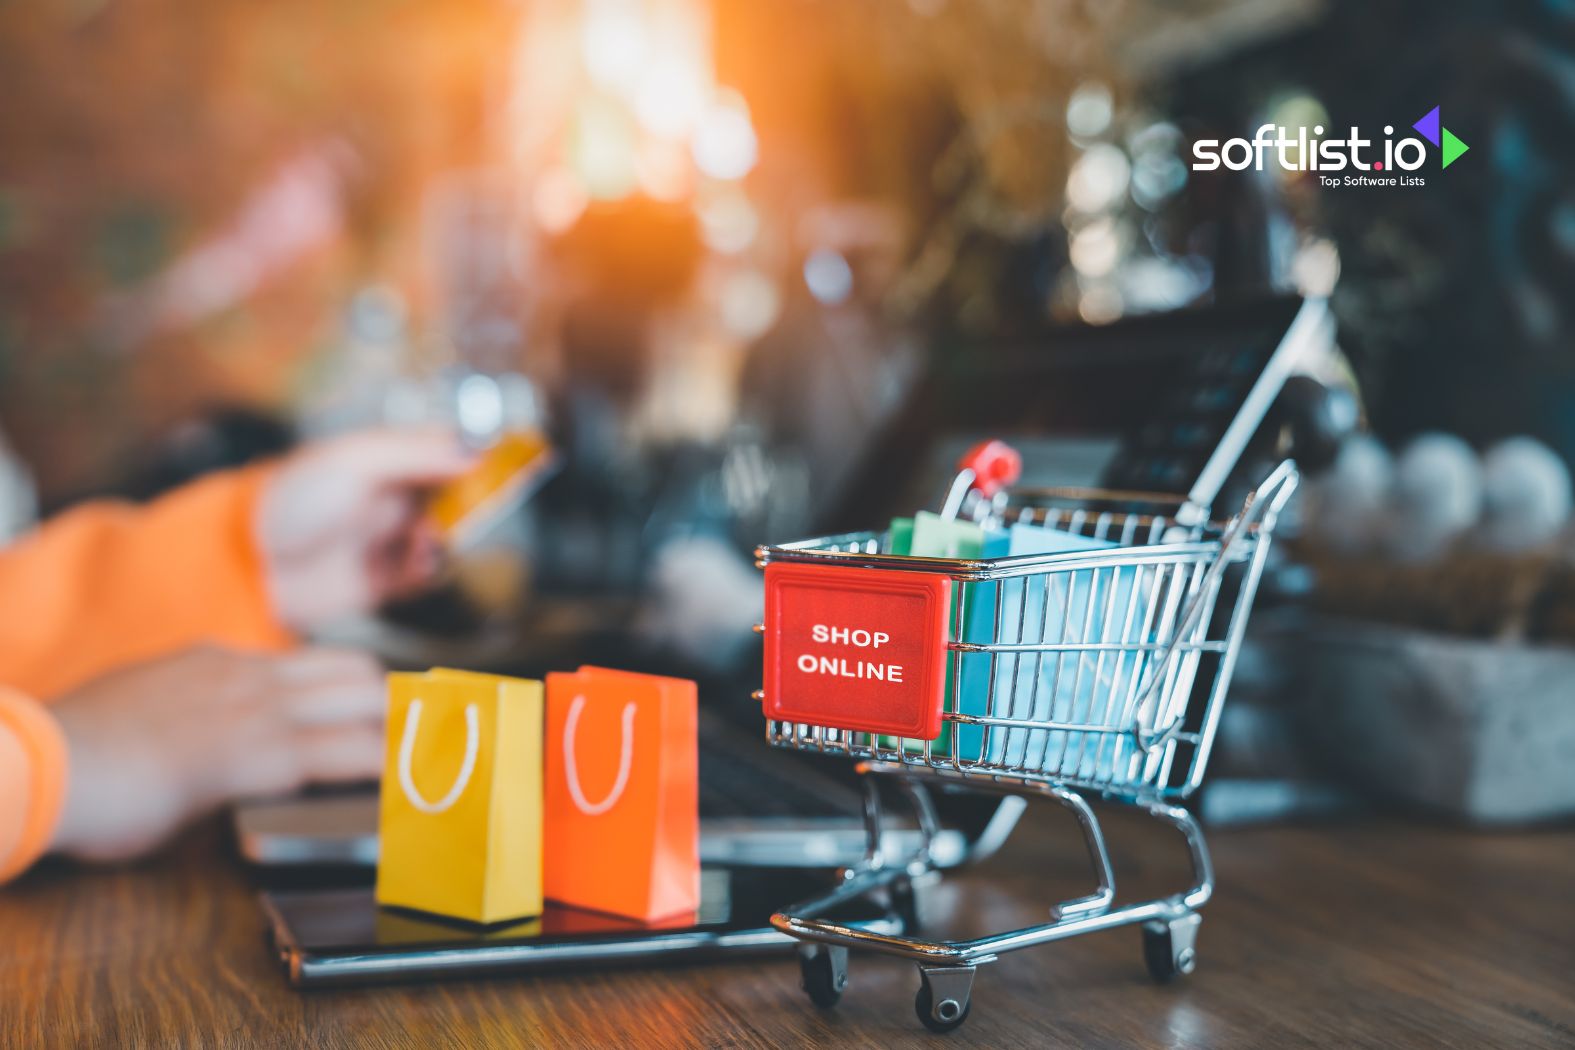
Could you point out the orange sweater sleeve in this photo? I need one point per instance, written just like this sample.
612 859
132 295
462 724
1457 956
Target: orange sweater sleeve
32 780
102 586
109 584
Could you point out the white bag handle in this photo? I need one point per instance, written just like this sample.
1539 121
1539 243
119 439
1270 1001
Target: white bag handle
407 746
572 772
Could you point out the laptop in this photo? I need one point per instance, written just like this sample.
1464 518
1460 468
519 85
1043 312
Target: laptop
758 808
1167 403
1161 403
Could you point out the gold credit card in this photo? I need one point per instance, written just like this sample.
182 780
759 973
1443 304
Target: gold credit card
506 475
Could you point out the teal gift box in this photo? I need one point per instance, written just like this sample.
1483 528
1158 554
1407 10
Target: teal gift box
928 535
1058 608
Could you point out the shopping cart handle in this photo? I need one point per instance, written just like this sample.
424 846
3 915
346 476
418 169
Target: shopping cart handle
1261 510
995 465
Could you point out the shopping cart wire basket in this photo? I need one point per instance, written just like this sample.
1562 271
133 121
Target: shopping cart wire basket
1095 666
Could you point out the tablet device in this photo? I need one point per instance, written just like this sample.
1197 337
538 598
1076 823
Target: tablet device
342 937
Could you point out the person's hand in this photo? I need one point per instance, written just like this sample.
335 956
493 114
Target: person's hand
341 526
154 745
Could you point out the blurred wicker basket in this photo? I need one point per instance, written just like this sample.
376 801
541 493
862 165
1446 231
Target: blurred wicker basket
1475 729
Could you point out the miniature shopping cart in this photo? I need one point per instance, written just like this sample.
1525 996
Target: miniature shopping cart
1097 670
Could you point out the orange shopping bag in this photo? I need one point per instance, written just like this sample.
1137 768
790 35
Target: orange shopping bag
622 793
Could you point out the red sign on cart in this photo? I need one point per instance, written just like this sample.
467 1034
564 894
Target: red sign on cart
860 649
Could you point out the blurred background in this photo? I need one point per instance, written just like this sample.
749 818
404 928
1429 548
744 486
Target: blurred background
712 248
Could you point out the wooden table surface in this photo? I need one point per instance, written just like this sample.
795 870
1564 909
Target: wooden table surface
1377 933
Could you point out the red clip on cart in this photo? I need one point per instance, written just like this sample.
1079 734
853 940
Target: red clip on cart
1097 667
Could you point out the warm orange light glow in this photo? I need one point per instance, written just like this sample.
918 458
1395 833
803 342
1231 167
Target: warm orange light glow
613 42
671 95
602 148
623 93
664 171
558 200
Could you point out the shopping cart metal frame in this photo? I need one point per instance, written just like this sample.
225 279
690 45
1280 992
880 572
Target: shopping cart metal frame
1186 558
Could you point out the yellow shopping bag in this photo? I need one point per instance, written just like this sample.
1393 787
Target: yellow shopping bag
460 816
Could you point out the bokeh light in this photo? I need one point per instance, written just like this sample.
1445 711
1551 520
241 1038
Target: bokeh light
750 304
1099 178
728 222
828 276
602 145
1316 266
558 200
479 405
1158 171
1096 248
1100 304
670 97
724 144
1089 110
613 41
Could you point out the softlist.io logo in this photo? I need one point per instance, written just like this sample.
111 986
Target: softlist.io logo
1386 162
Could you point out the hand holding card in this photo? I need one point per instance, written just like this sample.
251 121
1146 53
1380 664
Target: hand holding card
505 475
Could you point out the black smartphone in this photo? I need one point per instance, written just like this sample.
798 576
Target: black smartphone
342 937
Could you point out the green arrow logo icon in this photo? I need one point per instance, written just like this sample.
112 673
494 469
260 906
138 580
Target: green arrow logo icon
1452 147
1441 137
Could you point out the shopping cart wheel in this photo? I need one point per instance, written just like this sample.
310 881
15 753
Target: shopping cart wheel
1170 946
823 971
943 1000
